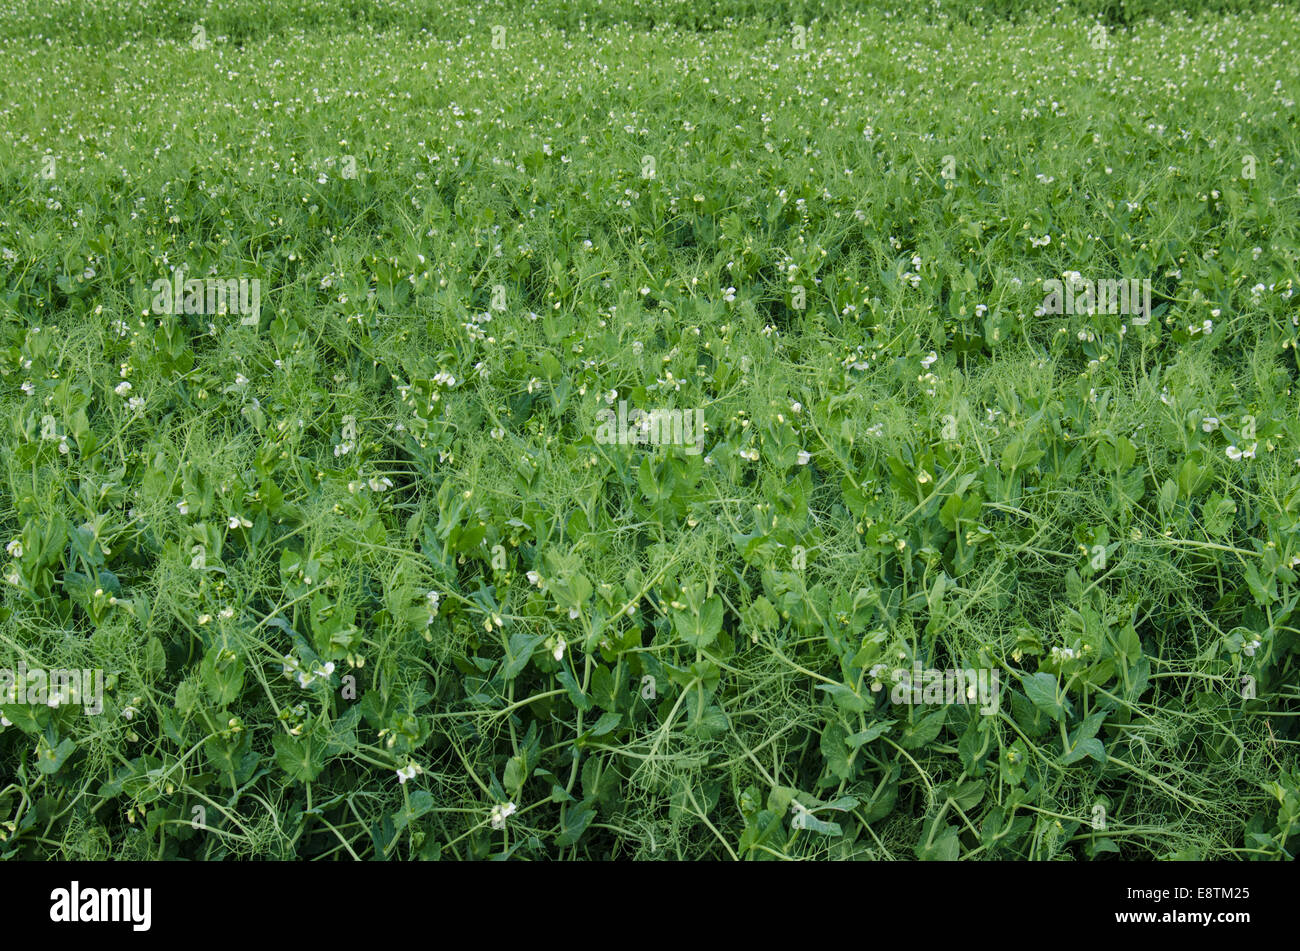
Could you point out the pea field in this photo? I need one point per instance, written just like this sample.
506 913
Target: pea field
645 429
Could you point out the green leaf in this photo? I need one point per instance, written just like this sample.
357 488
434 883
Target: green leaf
580 699
50 759
300 757
606 723
223 675
1089 727
806 820
1013 762
869 734
1192 477
1139 678
1129 644
762 615
1045 694
1016 455
520 653
1101 845
604 691
700 629
945 847
842 804
576 821
835 752
968 794
918 734
845 698
421 802
516 774
1092 747
28 717
233 757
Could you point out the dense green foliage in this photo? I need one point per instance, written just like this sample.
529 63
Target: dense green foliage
376 531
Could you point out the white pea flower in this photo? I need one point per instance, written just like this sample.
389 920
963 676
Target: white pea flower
876 673
500 813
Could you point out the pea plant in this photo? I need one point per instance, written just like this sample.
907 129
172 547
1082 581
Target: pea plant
757 430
